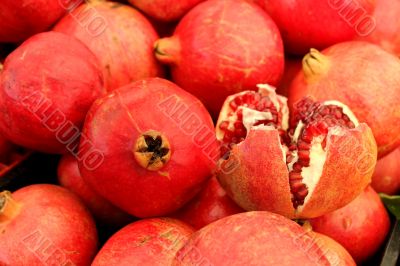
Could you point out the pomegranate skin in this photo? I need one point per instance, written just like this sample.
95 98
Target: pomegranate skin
326 23
350 162
6 147
21 19
165 10
385 34
70 178
364 77
214 60
50 227
115 125
210 205
361 226
151 242
124 44
386 178
270 238
335 253
50 79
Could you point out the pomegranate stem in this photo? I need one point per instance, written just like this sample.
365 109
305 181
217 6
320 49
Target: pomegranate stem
9 208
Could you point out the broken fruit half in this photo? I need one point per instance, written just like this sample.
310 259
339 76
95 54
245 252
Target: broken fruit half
312 163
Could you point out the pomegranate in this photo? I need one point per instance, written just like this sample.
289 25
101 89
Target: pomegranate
21 19
387 27
386 178
292 67
119 36
211 204
165 10
315 164
146 242
157 147
306 24
362 76
46 87
223 47
252 238
45 225
334 252
361 226
70 178
6 147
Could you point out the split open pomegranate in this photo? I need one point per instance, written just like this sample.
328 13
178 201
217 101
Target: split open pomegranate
313 163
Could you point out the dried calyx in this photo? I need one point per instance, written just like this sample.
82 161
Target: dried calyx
152 150
8 206
304 141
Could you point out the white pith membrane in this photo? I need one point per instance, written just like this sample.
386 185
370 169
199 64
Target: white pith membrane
252 119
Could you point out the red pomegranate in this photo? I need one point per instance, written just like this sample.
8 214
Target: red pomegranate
165 10
334 252
306 24
252 238
70 178
21 19
386 178
362 76
316 163
45 225
361 226
210 205
156 146
146 242
6 147
387 27
46 87
293 66
119 36
222 47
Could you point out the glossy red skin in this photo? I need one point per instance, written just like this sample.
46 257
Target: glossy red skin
70 178
336 253
365 78
113 125
52 228
124 45
215 60
292 68
146 242
165 10
306 24
361 227
57 67
210 205
385 34
252 238
386 178
21 19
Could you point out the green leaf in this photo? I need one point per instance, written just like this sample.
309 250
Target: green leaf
392 203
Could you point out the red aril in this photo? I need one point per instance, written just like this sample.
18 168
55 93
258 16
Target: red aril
46 87
210 205
146 242
223 47
45 225
252 238
361 226
316 163
364 77
386 178
156 144
306 24
70 178
21 19
165 10
386 32
119 36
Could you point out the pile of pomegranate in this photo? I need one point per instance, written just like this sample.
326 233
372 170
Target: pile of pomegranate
193 132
